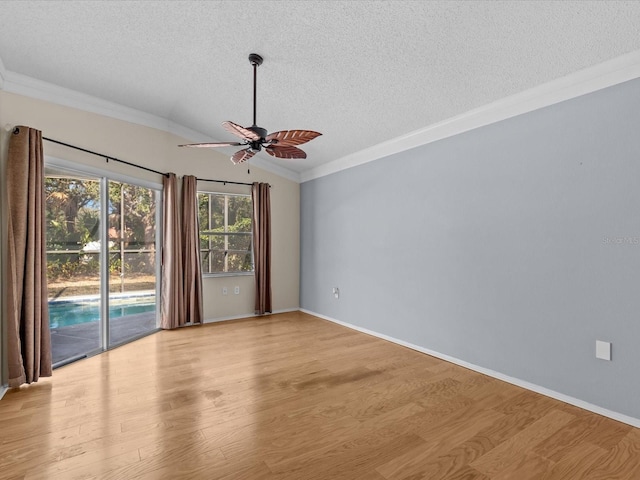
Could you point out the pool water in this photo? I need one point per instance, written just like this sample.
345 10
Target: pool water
64 314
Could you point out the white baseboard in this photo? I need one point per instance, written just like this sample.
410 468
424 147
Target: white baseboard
3 390
635 422
248 315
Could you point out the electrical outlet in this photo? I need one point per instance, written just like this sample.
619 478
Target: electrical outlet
336 292
224 290
603 350
236 290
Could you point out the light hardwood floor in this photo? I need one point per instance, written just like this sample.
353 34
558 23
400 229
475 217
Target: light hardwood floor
294 397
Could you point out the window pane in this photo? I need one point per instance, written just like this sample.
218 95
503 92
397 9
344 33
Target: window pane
203 211
239 214
73 235
240 242
216 260
73 263
239 262
222 250
212 242
132 261
217 213
139 214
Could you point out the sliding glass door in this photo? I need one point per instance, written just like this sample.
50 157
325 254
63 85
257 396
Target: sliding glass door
102 262
132 261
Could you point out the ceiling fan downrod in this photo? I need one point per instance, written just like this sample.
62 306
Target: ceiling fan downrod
255 60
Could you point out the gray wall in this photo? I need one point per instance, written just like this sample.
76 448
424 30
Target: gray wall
514 246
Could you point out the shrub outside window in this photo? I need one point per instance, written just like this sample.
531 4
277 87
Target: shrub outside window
226 237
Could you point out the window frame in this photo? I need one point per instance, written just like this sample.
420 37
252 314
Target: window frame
227 234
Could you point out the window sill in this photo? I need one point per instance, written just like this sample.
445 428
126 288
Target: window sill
229 274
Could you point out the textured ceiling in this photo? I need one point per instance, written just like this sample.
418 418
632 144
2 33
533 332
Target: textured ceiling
360 72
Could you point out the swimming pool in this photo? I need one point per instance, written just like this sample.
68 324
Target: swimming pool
64 314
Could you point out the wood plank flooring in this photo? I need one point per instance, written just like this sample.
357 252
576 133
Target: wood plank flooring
291 396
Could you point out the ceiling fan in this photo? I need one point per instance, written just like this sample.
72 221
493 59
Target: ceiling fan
282 144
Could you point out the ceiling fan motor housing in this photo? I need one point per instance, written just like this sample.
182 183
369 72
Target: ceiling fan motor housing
262 132
256 145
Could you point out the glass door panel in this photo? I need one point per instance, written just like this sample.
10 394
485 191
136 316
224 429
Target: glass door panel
73 263
132 261
101 262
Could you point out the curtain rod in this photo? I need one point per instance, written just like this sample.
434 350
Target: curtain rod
108 157
224 181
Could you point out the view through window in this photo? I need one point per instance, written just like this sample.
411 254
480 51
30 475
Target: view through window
99 297
226 239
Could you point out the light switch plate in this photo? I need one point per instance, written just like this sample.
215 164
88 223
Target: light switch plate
603 350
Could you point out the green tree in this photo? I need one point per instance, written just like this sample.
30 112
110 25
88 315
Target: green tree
213 234
73 225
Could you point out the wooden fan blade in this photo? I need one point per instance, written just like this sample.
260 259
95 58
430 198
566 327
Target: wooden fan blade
242 156
285 152
212 145
241 132
288 138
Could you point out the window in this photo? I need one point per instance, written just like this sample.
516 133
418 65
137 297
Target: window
226 238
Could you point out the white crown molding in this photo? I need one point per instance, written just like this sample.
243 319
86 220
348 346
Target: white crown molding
635 422
597 77
34 88
30 87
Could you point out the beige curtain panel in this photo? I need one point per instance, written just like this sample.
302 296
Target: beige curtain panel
191 251
262 246
29 338
172 301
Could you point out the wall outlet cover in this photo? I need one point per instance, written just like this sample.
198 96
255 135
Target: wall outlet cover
603 350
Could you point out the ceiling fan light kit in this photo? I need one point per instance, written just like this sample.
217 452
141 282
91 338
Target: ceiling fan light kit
282 144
